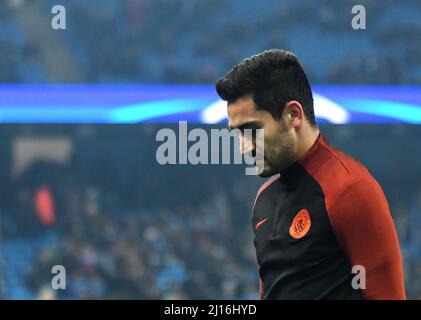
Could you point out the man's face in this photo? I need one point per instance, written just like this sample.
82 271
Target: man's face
279 144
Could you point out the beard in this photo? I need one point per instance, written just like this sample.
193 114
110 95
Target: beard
279 156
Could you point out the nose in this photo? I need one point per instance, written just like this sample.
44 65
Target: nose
246 146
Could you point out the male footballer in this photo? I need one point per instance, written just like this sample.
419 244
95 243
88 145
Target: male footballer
321 215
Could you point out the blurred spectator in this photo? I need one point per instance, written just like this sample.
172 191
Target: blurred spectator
197 41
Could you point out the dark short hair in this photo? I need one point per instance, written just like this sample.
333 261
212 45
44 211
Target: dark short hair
271 78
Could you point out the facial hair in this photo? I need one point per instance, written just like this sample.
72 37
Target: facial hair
281 156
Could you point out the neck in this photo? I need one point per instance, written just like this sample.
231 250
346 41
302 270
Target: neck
308 138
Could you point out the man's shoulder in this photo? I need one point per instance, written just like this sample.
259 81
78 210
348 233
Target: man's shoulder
338 163
337 172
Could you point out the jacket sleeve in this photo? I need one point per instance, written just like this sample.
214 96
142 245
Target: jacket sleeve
361 220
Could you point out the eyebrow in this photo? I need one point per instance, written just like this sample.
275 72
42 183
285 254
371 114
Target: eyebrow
254 124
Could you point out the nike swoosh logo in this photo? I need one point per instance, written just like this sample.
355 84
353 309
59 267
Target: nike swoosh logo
260 223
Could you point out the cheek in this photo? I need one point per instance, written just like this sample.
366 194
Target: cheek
271 142
276 147
274 138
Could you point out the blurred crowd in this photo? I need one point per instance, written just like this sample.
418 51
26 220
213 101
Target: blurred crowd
183 253
115 247
125 227
407 217
190 251
173 41
20 58
201 250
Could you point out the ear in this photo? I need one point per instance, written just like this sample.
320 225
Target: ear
295 113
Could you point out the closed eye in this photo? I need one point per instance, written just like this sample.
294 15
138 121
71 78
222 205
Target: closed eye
253 125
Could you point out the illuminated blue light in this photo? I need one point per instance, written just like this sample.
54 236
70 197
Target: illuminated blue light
139 103
395 110
150 110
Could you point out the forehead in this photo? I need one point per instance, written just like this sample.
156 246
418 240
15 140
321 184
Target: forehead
242 110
